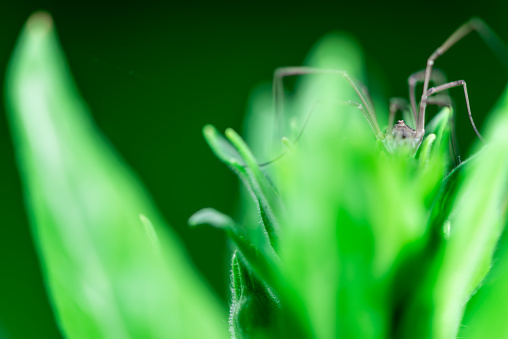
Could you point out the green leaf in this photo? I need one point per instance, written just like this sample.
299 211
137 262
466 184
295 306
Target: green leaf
255 309
350 210
440 125
259 255
485 312
104 278
224 150
260 185
250 173
476 220
445 199
425 149
262 260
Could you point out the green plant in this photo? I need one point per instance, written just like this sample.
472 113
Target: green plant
338 238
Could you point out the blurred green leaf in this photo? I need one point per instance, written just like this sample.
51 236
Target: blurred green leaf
445 199
425 148
440 125
486 311
350 210
476 218
104 278
356 220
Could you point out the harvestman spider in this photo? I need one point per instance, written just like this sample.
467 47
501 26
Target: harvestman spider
400 133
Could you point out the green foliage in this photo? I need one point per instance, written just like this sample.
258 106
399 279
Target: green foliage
339 239
374 245
109 273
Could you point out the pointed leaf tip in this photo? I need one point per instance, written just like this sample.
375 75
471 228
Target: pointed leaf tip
209 130
39 23
230 133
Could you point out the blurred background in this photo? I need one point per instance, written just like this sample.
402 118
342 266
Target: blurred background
154 74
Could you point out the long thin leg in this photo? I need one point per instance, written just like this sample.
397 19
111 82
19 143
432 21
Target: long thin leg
348 103
278 89
485 32
437 89
436 76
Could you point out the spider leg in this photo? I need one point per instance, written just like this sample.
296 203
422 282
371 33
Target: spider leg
436 76
401 104
485 32
440 88
278 91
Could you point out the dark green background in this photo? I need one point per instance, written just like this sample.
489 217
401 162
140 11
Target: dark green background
153 75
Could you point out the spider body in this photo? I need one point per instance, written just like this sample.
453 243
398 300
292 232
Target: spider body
401 137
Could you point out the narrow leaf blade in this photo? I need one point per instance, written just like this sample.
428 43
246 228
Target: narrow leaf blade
104 278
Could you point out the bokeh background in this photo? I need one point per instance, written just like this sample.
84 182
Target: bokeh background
153 74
